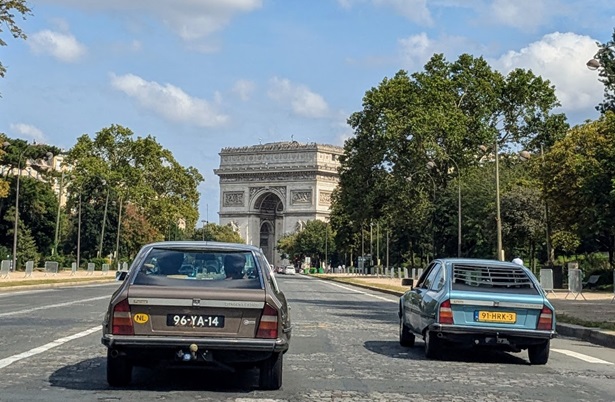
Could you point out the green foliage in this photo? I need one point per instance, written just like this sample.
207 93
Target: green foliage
7 18
606 56
578 174
215 232
442 115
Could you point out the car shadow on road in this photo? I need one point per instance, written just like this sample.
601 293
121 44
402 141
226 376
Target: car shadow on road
375 311
450 354
90 375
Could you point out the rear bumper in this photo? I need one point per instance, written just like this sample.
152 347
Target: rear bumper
161 342
447 329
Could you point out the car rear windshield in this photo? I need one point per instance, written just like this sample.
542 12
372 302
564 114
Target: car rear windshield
225 269
492 279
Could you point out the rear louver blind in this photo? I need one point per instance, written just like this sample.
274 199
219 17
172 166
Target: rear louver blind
492 277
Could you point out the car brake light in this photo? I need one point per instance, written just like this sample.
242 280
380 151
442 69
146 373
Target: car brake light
446 313
545 321
268 327
121 323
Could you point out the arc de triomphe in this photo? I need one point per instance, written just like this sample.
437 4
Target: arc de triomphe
269 190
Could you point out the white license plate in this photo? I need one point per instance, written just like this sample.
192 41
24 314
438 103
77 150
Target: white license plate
195 320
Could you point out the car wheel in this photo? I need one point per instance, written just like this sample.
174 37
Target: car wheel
119 370
271 372
406 338
539 354
432 346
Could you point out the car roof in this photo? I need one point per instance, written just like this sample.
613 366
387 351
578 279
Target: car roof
212 245
477 261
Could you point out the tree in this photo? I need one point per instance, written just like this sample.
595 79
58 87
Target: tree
139 172
442 114
578 172
606 71
315 240
215 232
7 18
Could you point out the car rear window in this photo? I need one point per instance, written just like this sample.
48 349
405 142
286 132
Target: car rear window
226 269
492 279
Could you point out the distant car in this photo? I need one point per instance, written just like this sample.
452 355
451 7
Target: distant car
478 303
289 270
166 314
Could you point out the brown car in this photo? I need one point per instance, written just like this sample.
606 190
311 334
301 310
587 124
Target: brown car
197 304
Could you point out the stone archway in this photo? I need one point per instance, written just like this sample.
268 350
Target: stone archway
269 208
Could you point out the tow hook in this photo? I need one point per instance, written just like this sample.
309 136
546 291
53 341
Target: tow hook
188 356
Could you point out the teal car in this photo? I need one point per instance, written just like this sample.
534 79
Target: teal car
477 303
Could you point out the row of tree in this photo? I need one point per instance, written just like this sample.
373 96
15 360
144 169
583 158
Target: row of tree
121 192
460 136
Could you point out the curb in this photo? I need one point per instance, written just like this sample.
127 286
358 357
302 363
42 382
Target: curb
58 284
596 336
593 335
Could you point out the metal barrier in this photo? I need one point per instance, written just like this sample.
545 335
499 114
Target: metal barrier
575 283
124 266
546 280
51 267
91 267
105 269
405 273
73 268
5 268
29 269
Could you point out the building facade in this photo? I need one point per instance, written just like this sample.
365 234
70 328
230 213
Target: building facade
270 190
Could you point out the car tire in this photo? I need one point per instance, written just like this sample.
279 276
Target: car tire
406 338
271 372
539 354
119 370
433 346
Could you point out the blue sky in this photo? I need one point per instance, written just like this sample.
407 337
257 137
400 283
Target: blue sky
207 74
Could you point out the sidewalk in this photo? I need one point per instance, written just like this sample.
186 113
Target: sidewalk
589 307
18 280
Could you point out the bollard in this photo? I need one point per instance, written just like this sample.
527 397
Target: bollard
29 269
405 273
73 268
105 269
91 267
5 268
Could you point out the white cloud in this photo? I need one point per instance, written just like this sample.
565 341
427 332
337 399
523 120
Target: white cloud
522 14
63 47
190 19
244 89
303 101
29 131
169 101
560 58
414 10
416 50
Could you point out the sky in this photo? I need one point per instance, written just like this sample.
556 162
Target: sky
201 75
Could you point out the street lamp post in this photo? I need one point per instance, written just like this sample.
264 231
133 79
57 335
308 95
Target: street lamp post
117 239
498 218
48 156
55 242
79 231
203 222
102 232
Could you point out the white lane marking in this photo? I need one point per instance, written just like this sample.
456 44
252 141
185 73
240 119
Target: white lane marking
29 310
581 356
363 293
12 359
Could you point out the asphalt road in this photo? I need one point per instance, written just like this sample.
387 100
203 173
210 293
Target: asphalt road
344 348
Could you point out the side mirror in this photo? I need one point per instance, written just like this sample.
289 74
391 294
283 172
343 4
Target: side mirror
407 282
120 275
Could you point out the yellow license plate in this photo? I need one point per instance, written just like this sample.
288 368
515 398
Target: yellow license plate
495 316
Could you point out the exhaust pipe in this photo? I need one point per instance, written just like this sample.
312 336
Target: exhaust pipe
440 335
114 353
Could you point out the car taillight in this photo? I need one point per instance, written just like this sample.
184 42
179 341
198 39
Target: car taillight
121 322
545 321
446 313
268 327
